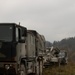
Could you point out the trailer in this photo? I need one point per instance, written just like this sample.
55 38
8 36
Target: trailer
35 48
21 50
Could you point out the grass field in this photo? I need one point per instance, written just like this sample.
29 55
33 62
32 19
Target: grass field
68 69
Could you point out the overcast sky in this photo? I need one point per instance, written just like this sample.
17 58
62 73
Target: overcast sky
55 19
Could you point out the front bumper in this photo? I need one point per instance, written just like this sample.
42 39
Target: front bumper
10 71
7 69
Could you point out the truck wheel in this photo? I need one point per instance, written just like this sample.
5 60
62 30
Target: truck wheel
23 70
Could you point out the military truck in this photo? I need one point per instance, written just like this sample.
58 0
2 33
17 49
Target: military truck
20 50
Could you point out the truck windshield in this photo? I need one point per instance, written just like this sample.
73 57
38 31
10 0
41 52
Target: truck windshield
6 33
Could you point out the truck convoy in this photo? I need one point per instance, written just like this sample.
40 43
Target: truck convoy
21 50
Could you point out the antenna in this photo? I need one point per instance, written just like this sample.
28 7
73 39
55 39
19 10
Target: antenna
19 23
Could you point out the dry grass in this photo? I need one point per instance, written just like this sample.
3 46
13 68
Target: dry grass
62 70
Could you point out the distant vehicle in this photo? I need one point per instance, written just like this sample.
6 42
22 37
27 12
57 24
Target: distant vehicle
21 50
55 55
63 57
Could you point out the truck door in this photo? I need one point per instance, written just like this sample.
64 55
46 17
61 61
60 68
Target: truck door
20 39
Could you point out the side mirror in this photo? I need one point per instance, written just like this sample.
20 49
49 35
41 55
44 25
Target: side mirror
24 32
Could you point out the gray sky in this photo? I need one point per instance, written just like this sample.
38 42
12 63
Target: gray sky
55 19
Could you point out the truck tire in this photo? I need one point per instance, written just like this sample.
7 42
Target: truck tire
23 70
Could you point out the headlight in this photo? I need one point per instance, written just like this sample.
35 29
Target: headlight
29 70
7 67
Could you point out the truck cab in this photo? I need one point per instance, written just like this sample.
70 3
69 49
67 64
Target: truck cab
12 47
